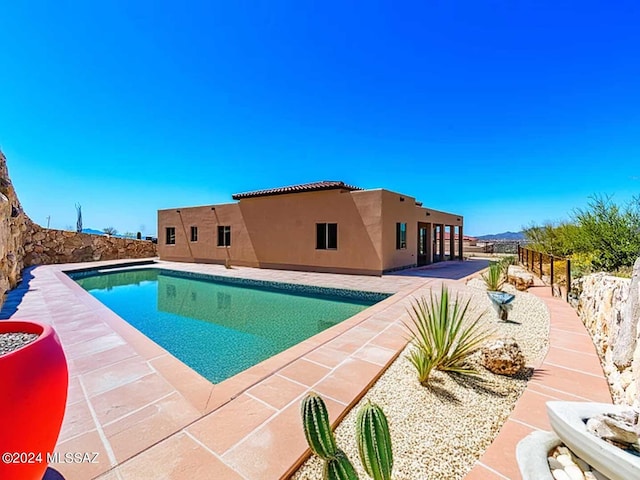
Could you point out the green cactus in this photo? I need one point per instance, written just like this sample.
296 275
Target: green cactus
374 442
339 468
317 430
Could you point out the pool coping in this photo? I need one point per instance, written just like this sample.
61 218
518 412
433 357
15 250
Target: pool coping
237 384
189 414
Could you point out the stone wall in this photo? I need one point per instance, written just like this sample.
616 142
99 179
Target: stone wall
14 225
610 309
47 246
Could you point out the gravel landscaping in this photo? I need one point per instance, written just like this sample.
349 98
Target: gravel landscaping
439 431
12 341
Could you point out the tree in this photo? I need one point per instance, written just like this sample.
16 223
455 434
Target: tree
110 231
79 221
603 236
611 233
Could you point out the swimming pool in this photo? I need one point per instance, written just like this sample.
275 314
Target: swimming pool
221 326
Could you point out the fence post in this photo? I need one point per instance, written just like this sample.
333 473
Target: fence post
568 278
552 258
540 263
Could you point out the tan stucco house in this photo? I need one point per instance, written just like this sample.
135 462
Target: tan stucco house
323 226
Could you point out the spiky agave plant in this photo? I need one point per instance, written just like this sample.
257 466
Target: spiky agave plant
494 278
443 335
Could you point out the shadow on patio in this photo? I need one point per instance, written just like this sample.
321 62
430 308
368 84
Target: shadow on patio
451 269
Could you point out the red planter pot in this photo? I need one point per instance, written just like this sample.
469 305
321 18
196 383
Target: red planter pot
33 396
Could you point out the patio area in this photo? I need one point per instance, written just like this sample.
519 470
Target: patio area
150 416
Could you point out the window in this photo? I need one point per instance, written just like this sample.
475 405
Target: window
194 234
401 236
224 236
326 236
171 235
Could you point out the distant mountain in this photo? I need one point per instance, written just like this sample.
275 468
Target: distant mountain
503 236
92 231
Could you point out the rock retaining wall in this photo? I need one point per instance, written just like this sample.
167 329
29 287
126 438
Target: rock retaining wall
610 309
47 246
14 225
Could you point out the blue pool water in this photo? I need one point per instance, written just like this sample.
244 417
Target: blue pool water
220 328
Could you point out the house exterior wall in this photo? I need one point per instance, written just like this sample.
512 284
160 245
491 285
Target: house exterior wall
279 231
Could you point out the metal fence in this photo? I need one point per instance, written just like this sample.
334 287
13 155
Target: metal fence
554 271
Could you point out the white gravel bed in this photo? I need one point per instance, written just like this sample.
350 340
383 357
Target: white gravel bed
439 431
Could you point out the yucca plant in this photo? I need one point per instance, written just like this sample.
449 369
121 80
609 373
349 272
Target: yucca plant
372 431
443 335
494 278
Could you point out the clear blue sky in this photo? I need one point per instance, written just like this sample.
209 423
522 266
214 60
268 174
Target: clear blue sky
506 112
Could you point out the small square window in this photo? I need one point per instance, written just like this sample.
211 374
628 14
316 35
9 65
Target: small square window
194 234
170 235
224 236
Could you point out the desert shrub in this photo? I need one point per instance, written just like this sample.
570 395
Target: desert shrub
443 335
495 277
602 237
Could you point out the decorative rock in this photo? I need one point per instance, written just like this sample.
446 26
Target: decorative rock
589 476
616 428
565 460
503 357
626 338
560 475
554 464
574 472
519 277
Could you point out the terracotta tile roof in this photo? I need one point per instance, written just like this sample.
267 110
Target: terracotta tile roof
305 187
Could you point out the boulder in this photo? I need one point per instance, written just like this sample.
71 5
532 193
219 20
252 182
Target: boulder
503 356
519 277
620 429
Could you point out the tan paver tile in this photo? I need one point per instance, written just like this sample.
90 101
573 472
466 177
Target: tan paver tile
115 375
187 381
93 346
305 372
531 409
140 430
277 391
501 454
225 427
74 390
88 442
102 359
584 362
594 388
113 404
271 451
77 420
178 458
327 356
374 354
480 472
348 380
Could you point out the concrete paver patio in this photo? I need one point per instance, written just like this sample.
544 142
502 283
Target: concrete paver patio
150 416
